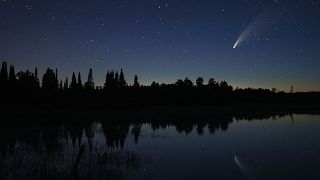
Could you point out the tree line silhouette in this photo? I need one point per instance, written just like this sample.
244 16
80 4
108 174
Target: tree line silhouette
25 89
49 82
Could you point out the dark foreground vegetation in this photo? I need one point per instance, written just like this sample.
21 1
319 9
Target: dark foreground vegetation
25 90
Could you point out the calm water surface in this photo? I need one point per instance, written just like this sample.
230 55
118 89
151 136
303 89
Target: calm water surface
286 147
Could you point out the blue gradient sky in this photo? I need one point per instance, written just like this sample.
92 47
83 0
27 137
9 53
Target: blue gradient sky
164 40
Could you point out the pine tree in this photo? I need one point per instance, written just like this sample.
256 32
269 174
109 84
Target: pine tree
122 81
136 82
106 82
112 79
12 76
116 80
73 84
36 77
90 84
79 84
57 76
4 72
36 72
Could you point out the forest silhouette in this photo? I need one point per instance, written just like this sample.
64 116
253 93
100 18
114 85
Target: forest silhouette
25 89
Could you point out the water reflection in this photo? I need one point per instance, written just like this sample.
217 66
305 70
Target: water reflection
120 148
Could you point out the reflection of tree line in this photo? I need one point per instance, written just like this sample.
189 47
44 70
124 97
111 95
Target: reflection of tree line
49 134
49 139
26 90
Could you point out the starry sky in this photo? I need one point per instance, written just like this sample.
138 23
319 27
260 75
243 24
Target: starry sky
164 40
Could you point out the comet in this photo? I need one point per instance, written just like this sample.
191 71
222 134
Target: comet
246 34
256 26
237 43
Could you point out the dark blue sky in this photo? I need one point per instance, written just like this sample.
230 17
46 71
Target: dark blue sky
164 40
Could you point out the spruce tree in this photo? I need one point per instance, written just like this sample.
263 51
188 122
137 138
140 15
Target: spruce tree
4 72
90 84
36 77
79 84
122 81
12 76
136 82
116 80
109 82
73 84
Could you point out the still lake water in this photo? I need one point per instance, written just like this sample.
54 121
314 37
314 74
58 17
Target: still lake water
285 147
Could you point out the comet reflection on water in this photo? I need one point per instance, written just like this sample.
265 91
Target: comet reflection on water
239 164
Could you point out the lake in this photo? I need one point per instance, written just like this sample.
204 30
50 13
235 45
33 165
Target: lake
274 147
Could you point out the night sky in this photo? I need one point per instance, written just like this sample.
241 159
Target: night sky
163 40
